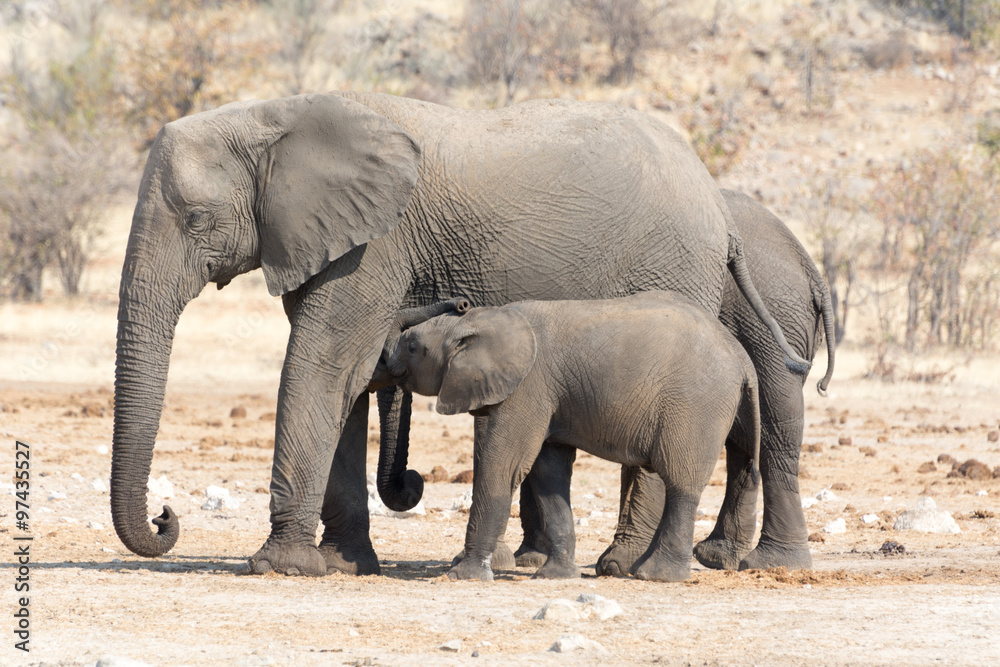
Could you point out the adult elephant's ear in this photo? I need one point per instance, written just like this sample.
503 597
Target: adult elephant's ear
491 352
335 176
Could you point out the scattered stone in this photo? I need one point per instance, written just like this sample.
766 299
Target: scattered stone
101 449
868 451
996 472
804 473
454 645
844 440
600 606
836 527
93 410
99 485
67 519
57 495
814 448
926 518
808 502
816 537
353 633
93 525
826 495
572 642
993 436
77 476
377 508
464 477
870 518
437 474
162 487
239 412
268 417
582 521
217 498
839 486
115 661
463 502
890 548
559 609
927 467
972 469
882 439
982 514
946 459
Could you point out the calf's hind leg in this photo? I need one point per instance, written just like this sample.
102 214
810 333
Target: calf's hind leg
669 556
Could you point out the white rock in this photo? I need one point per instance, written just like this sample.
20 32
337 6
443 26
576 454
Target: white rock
597 514
101 449
589 496
826 495
870 518
375 505
602 607
108 550
115 661
93 525
582 521
463 502
99 485
455 645
926 518
57 495
353 633
67 519
217 498
572 642
77 476
702 523
559 609
836 526
808 502
982 492
162 487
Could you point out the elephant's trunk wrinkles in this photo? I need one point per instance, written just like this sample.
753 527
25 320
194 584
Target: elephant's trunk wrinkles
399 488
143 356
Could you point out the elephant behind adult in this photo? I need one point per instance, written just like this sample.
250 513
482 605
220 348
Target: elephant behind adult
795 292
357 205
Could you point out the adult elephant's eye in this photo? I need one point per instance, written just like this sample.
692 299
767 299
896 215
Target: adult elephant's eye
196 220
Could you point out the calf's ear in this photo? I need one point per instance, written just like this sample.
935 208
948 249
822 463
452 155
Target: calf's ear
486 359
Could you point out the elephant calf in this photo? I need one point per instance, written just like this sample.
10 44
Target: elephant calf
649 380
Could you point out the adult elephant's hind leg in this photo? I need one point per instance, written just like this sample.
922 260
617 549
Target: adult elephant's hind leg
732 536
346 546
784 535
639 512
550 486
534 549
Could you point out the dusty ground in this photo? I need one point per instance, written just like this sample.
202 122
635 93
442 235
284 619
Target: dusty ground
937 603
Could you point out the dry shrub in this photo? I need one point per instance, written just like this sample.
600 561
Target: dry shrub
891 53
719 133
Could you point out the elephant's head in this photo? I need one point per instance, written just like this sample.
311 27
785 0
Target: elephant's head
287 185
470 362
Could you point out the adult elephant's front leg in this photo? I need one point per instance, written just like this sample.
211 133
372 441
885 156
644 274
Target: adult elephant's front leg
346 546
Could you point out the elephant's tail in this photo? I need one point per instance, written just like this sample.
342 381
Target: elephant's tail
825 305
749 416
738 268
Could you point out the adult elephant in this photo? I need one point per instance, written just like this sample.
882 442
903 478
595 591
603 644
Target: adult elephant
795 292
357 205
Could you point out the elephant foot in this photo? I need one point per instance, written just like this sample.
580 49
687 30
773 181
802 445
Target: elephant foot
529 557
617 560
358 560
768 555
719 553
653 569
553 570
472 569
503 558
288 559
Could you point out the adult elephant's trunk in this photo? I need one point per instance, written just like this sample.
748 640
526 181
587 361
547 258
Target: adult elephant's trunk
153 293
399 488
141 365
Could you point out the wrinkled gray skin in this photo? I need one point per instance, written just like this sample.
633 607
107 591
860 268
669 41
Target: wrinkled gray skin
357 206
797 295
648 380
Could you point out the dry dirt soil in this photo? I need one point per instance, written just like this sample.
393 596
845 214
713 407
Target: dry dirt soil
938 602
